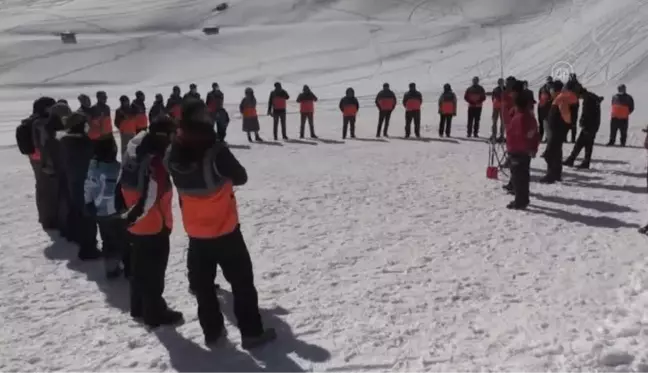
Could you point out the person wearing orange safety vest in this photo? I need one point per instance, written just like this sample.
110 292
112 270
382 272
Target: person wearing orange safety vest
174 104
447 110
496 99
307 100
147 193
544 104
204 172
100 124
622 107
386 103
559 119
277 103
125 123
248 110
412 100
138 109
475 96
349 107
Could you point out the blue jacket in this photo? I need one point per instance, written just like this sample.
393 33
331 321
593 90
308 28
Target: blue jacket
101 185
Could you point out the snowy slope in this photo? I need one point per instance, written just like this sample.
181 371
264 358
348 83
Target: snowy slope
368 255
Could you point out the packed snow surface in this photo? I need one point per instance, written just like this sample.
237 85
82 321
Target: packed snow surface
369 255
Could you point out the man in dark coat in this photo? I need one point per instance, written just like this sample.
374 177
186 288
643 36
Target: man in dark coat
622 107
277 109
590 121
158 109
44 137
412 101
385 102
76 152
475 96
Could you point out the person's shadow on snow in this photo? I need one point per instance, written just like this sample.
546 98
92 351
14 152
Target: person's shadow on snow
187 356
116 292
275 355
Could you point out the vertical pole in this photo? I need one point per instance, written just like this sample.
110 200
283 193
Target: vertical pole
501 42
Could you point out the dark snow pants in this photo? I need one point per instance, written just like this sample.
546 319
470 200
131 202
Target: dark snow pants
231 254
148 260
585 140
115 243
573 128
618 125
543 112
279 116
474 118
39 195
413 116
520 177
306 117
346 123
445 124
383 118
553 156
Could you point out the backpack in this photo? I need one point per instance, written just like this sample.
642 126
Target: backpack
25 137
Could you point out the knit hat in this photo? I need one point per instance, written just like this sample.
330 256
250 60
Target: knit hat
61 110
42 104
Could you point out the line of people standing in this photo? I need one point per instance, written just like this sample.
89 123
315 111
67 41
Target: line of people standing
84 188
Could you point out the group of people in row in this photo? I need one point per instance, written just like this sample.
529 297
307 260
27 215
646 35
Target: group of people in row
81 187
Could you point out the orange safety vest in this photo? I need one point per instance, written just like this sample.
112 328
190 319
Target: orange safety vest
158 212
473 100
176 111
497 103
35 156
413 105
447 107
350 110
279 103
141 121
386 104
564 101
307 107
207 200
250 112
127 126
100 127
620 111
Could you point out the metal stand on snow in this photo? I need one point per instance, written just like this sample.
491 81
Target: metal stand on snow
497 159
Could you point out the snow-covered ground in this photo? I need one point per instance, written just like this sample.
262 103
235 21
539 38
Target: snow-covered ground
368 255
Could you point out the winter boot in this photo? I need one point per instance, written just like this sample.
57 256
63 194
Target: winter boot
215 341
89 253
584 166
644 229
515 206
257 138
266 337
569 162
167 317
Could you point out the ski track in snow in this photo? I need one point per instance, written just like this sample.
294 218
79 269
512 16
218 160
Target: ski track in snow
368 255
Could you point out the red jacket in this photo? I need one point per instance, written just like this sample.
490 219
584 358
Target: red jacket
522 136
508 105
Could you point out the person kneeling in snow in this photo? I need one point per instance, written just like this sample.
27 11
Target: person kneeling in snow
148 194
522 140
103 198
